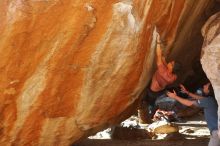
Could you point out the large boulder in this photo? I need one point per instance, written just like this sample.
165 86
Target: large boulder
69 68
210 57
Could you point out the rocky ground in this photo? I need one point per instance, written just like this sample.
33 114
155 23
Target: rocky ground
192 131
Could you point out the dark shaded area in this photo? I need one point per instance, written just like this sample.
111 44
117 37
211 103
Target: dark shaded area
197 79
129 133
186 142
189 52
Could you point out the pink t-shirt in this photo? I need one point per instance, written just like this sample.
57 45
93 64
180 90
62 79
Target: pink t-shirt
161 78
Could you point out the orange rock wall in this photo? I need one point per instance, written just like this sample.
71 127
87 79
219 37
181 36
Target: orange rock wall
69 66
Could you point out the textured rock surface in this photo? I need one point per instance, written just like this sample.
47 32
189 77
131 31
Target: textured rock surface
211 54
71 66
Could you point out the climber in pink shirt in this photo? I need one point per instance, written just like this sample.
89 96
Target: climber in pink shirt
164 75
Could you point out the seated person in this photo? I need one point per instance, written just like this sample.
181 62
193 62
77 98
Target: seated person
205 99
164 75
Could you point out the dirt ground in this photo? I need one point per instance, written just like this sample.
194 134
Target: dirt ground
193 131
101 142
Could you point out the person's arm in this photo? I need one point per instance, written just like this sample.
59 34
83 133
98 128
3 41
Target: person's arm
160 57
194 96
181 100
159 54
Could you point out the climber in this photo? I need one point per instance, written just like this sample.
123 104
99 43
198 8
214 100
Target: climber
164 75
204 99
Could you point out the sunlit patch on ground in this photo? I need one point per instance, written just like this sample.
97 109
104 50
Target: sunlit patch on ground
189 128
